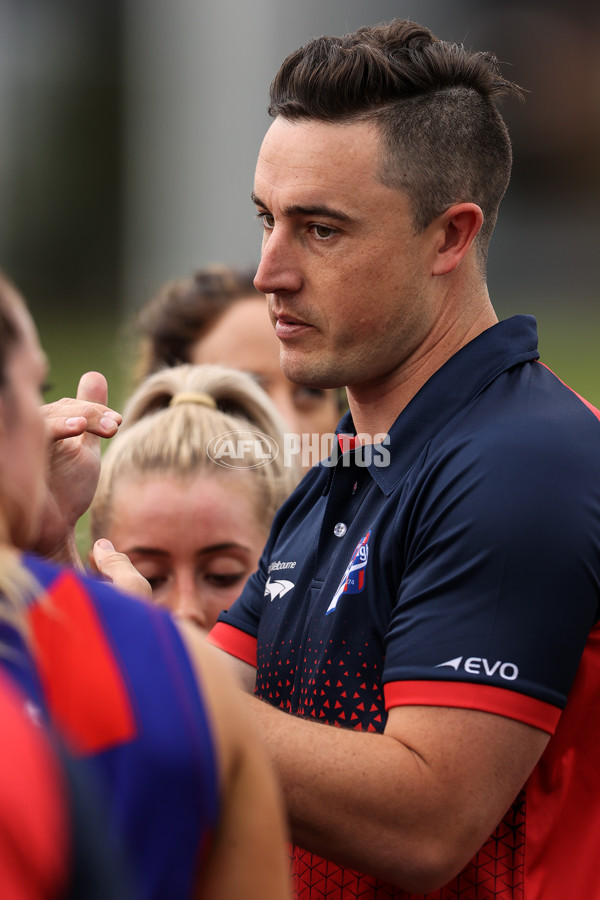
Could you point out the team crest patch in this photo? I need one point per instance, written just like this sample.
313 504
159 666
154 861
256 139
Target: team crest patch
354 577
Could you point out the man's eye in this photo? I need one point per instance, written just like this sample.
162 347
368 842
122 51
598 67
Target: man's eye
266 219
322 231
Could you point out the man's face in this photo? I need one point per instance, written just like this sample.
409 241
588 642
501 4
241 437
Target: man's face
347 280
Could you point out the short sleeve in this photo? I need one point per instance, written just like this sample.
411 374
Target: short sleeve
500 588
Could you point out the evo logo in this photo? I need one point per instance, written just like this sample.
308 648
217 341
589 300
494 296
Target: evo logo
477 665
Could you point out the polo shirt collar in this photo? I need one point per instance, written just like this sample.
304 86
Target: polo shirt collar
455 384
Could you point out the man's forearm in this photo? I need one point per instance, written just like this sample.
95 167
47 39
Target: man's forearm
360 799
411 807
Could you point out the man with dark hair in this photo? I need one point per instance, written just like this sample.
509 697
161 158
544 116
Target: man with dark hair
439 608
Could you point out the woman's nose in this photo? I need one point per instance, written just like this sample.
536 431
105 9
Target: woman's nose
187 602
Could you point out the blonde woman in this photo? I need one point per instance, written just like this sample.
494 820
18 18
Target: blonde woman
190 485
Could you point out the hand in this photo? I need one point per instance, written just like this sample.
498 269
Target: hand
75 427
119 569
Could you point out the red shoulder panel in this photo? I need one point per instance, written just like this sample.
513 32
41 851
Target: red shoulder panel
82 681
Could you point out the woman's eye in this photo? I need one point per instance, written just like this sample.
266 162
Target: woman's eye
225 580
308 397
156 582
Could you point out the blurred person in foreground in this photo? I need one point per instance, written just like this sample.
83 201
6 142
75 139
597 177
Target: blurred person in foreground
52 844
191 801
189 486
218 316
443 582
35 838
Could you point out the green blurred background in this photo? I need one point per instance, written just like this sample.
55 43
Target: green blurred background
129 131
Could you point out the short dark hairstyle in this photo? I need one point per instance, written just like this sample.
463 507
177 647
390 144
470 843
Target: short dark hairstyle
443 139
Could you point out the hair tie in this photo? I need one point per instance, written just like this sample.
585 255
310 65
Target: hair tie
193 397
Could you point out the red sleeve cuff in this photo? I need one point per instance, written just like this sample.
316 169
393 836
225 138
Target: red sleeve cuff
496 700
233 641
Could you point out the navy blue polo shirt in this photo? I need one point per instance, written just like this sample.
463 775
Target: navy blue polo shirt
456 563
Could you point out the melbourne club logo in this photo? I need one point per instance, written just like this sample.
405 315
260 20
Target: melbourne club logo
354 577
277 588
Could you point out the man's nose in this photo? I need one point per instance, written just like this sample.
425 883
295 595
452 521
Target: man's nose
278 270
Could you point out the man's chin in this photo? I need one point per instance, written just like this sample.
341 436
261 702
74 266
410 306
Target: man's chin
307 374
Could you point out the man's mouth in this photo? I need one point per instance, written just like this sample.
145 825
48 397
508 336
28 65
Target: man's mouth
287 326
289 320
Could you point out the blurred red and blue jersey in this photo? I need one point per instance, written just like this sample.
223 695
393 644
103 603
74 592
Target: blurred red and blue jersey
35 845
111 674
457 564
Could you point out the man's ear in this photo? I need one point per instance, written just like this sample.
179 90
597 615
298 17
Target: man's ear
458 227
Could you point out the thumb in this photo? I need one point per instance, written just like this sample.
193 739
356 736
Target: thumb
93 386
119 569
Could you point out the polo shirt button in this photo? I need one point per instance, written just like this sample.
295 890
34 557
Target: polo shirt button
340 529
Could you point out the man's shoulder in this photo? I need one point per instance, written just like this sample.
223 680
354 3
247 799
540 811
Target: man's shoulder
525 412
